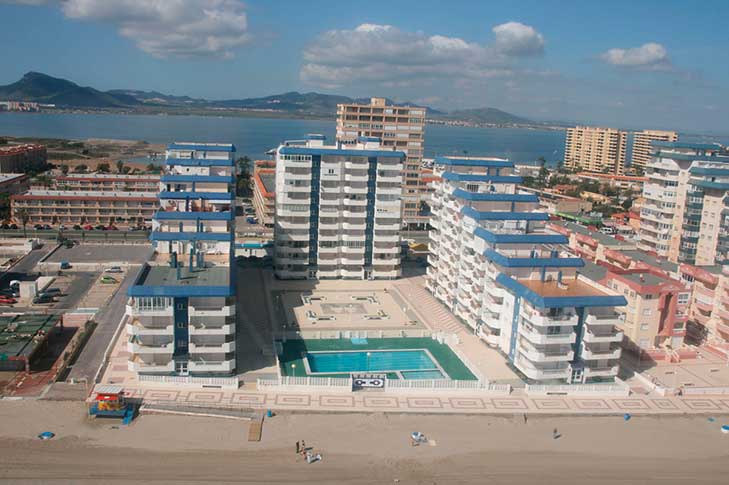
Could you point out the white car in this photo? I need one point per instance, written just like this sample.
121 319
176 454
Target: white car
114 269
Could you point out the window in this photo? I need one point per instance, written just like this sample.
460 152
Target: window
644 326
180 324
647 312
683 298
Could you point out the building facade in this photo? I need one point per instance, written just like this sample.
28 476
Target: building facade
13 183
642 148
70 207
181 314
496 267
338 210
21 158
685 214
401 128
709 308
264 196
106 182
595 149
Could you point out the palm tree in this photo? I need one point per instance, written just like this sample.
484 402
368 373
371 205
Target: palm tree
24 218
119 166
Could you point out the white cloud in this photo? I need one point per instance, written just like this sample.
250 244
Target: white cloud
384 54
517 39
650 56
167 28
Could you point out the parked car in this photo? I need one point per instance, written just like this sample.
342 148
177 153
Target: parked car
100 227
77 227
111 228
38 227
41 299
6 300
47 227
52 291
114 269
88 227
5 226
108 280
8 293
13 226
61 227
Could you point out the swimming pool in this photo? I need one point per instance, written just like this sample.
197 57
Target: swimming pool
372 361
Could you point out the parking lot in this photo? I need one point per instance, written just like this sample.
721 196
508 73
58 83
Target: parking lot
102 253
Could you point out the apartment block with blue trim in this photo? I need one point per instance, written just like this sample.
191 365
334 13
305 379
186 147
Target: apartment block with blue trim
181 310
338 210
497 268
685 216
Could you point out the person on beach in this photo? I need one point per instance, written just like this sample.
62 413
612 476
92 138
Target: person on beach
555 434
298 448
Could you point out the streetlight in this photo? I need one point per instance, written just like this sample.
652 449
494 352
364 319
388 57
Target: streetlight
367 369
293 369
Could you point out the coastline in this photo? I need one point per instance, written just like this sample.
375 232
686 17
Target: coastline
370 448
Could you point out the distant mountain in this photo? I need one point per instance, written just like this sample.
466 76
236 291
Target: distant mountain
487 115
41 88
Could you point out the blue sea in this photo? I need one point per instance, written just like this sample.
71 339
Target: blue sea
254 136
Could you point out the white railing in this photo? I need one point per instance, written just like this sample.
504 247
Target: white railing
224 382
705 390
447 385
304 383
348 334
617 389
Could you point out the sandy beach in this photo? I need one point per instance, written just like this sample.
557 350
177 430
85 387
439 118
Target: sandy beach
358 449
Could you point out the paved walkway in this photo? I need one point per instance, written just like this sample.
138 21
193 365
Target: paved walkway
424 402
483 360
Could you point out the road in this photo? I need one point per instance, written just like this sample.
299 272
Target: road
107 321
26 264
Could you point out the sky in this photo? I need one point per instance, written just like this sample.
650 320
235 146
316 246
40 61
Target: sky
654 64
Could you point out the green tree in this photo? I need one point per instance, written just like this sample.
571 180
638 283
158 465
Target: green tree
64 169
152 168
243 182
119 166
24 217
81 168
103 167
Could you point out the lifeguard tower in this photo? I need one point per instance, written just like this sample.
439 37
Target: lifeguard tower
107 401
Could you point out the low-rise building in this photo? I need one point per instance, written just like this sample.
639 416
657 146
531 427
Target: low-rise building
105 182
587 243
264 195
22 158
552 202
657 310
619 181
493 264
338 210
13 183
69 207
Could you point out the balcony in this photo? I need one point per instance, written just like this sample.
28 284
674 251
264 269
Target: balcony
544 338
225 347
591 337
601 371
136 328
541 320
541 374
137 348
226 311
203 329
211 366
535 355
607 354
138 365
612 319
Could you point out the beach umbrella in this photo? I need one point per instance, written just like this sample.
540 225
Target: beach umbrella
46 435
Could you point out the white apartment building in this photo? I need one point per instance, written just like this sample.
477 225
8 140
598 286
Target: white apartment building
493 264
181 310
400 128
684 217
338 210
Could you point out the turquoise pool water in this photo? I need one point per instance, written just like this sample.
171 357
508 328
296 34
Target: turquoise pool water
422 374
377 361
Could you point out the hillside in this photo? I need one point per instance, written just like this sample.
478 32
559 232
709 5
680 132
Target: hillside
41 88
487 115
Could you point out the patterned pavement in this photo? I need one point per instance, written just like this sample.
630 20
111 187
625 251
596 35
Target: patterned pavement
450 403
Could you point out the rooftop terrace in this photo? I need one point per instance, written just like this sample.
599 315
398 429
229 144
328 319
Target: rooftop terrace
21 335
